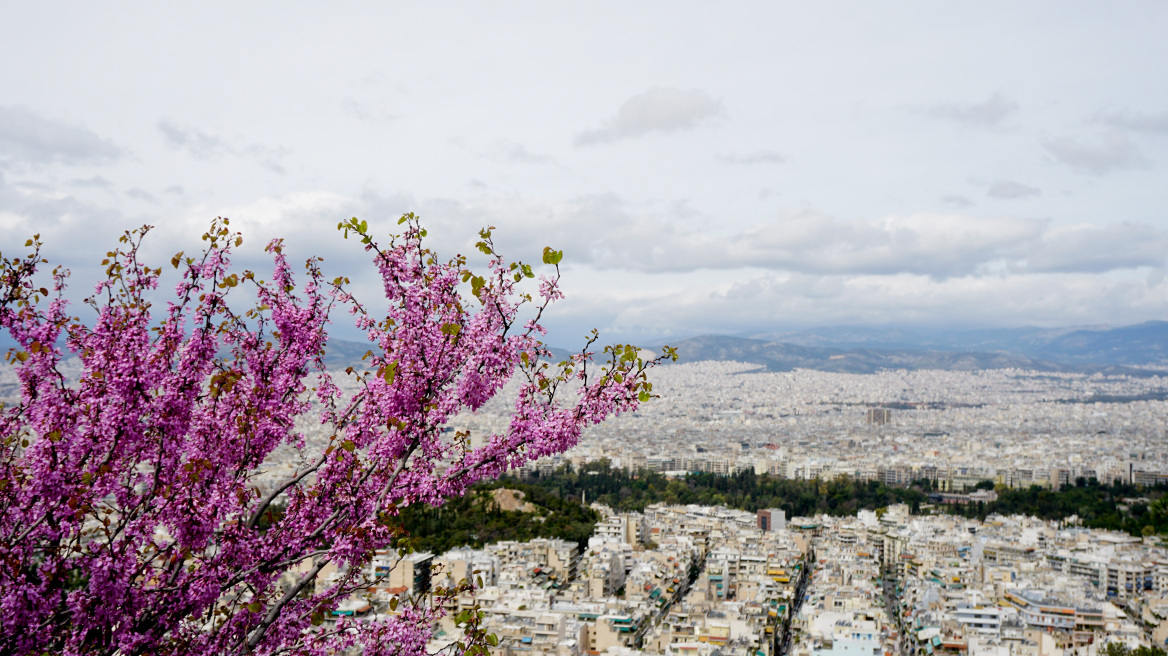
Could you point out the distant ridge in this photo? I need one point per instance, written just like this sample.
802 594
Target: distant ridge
1140 344
779 356
866 350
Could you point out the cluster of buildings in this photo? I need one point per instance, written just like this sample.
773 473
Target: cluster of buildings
1009 586
711 582
1011 427
688 580
956 428
708 581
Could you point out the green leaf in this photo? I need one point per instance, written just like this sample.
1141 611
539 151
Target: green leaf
393 604
643 397
349 445
492 640
390 372
317 618
451 329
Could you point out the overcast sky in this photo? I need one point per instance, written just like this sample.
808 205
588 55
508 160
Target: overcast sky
705 167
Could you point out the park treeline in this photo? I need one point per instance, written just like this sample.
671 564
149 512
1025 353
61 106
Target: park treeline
618 489
1117 507
475 519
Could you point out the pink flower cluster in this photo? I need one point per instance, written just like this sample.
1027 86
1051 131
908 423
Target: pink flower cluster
130 519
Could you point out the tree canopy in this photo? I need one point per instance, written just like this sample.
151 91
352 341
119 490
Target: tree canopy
132 519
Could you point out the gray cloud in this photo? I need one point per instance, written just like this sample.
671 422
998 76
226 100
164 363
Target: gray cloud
196 142
956 200
1010 190
778 299
95 181
141 194
607 233
367 112
1137 121
68 226
510 152
920 267
205 146
26 138
940 245
757 157
985 114
660 110
1108 153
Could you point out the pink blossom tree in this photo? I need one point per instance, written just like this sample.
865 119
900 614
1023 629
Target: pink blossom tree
131 516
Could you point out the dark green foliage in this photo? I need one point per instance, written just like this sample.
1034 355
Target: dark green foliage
746 491
475 519
1097 505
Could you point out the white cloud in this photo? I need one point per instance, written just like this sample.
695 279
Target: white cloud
1089 248
660 110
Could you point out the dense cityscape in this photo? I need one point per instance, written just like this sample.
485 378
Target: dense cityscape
957 428
893 581
706 581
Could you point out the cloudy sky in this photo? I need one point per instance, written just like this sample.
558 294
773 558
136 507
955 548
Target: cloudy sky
706 167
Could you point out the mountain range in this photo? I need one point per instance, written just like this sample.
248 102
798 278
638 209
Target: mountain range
1140 349
1128 349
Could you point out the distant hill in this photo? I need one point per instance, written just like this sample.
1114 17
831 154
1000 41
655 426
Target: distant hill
1139 345
1145 343
864 350
780 356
